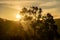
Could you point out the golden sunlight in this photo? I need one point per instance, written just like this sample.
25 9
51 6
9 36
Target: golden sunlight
18 16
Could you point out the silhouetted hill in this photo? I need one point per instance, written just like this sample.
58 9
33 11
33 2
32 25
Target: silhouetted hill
57 21
14 24
58 24
9 27
14 29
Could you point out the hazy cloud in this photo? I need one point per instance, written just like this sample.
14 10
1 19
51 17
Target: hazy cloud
52 6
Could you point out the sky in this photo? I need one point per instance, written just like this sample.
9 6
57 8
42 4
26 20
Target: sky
9 8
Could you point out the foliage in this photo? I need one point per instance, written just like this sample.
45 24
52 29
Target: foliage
35 11
41 27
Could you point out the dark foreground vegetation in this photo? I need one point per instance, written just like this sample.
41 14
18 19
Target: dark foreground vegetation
10 30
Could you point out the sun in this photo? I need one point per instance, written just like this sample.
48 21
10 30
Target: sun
18 16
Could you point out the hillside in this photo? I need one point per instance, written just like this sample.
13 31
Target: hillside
14 25
58 24
13 28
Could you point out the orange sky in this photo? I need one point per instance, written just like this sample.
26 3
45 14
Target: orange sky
9 9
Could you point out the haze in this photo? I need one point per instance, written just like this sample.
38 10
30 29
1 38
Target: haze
9 8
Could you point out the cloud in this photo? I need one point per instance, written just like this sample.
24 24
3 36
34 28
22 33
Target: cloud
29 0
46 4
52 6
20 4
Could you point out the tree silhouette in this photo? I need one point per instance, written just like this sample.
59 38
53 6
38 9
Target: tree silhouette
24 10
45 27
49 19
40 11
32 11
51 26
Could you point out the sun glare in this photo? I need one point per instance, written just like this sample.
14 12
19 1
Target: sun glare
18 16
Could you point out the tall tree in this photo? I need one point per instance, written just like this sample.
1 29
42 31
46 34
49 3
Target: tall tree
50 23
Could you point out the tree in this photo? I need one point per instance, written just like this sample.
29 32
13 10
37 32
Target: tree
52 28
40 27
49 19
32 11
24 10
40 11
